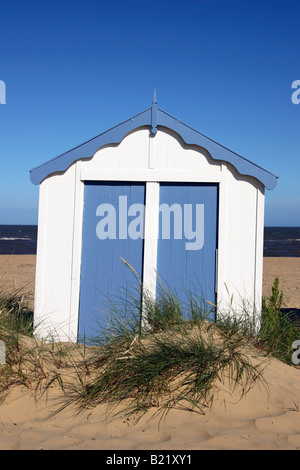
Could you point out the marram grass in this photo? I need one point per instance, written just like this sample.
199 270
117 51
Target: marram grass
174 368
178 361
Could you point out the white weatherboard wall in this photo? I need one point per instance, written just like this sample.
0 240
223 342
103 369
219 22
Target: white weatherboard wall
142 157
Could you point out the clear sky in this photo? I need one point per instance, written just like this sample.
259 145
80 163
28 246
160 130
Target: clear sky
75 68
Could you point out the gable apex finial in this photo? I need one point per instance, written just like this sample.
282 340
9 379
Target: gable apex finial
154 114
154 99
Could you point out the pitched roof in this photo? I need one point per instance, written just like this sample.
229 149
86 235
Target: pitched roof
153 117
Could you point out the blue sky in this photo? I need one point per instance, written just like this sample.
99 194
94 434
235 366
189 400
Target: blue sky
75 68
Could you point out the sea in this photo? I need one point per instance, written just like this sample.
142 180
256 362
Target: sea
282 241
18 239
22 240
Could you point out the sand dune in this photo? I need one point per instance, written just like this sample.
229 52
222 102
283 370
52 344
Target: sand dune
262 419
266 418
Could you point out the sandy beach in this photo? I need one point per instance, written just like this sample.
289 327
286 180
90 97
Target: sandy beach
265 418
17 273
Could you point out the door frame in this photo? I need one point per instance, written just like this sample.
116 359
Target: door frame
151 178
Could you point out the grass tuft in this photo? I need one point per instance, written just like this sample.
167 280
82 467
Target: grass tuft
278 329
175 362
178 361
173 368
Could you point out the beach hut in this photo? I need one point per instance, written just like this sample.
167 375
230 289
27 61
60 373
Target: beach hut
149 199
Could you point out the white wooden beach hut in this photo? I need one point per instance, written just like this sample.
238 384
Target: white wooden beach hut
157 195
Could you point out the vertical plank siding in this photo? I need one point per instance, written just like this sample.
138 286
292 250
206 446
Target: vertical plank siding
107 282
186 265
186 248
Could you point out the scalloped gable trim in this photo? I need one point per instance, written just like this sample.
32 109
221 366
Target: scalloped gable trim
153 117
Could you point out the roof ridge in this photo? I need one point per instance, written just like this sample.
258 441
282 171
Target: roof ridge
153 117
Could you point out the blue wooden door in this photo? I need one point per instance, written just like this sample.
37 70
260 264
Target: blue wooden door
186 260
112 236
